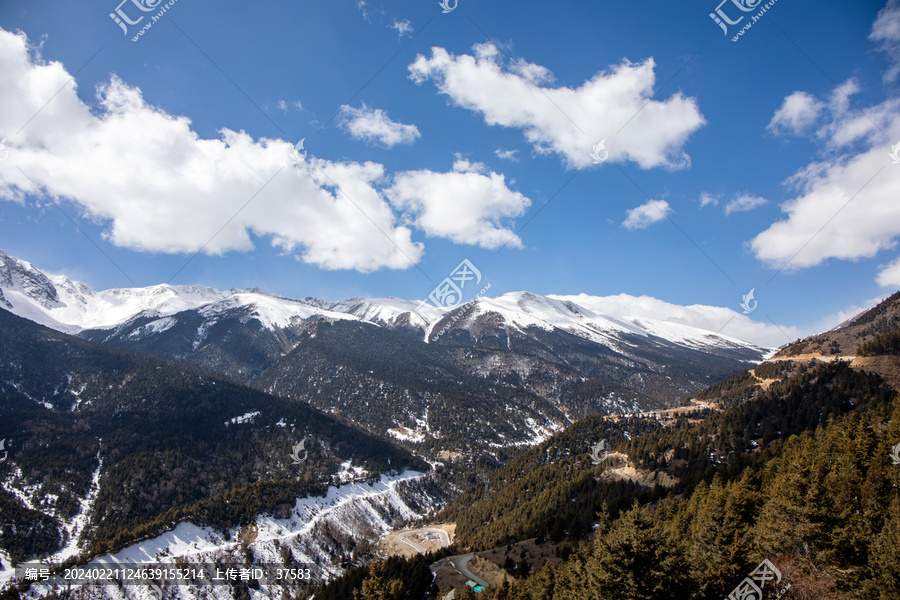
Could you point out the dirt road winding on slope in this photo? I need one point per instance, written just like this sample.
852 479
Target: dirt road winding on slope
460 565
424 533
410 542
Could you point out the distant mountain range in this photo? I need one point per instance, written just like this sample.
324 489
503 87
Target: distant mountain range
490 373
72 307
173 420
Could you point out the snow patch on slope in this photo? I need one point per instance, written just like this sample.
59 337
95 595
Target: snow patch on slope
389 311
406 434
358 510
695 325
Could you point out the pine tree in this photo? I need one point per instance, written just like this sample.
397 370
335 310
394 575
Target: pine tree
885 557
378 586
637 561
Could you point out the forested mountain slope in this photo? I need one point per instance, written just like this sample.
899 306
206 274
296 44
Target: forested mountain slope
797 463
485 377
147 443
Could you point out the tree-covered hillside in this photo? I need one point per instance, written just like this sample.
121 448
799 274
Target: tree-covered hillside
799 474
825 509
167 444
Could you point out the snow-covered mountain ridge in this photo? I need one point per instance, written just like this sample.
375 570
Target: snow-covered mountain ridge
72 307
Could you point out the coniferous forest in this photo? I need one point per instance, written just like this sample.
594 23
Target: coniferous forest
789 461
799 474
450 300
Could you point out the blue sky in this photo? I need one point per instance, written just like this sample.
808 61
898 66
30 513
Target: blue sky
460 135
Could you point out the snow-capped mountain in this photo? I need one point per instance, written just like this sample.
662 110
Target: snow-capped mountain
70 306
523 364
522 310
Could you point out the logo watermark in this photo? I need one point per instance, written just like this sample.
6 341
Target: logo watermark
895 455
723 20
123 20
751 587
599 447
748 303
448 294
599 152
895 154
296 450
445 4
3 447
295 152
155 591
4 152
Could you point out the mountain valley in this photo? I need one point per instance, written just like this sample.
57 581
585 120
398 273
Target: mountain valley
202 426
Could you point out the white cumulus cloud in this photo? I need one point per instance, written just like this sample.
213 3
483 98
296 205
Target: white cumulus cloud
797 113
889 276
743 203
564 120
830 120
846 204
374 125
403 27
468 205
507 154
706 199
646 214
156 186
886 32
